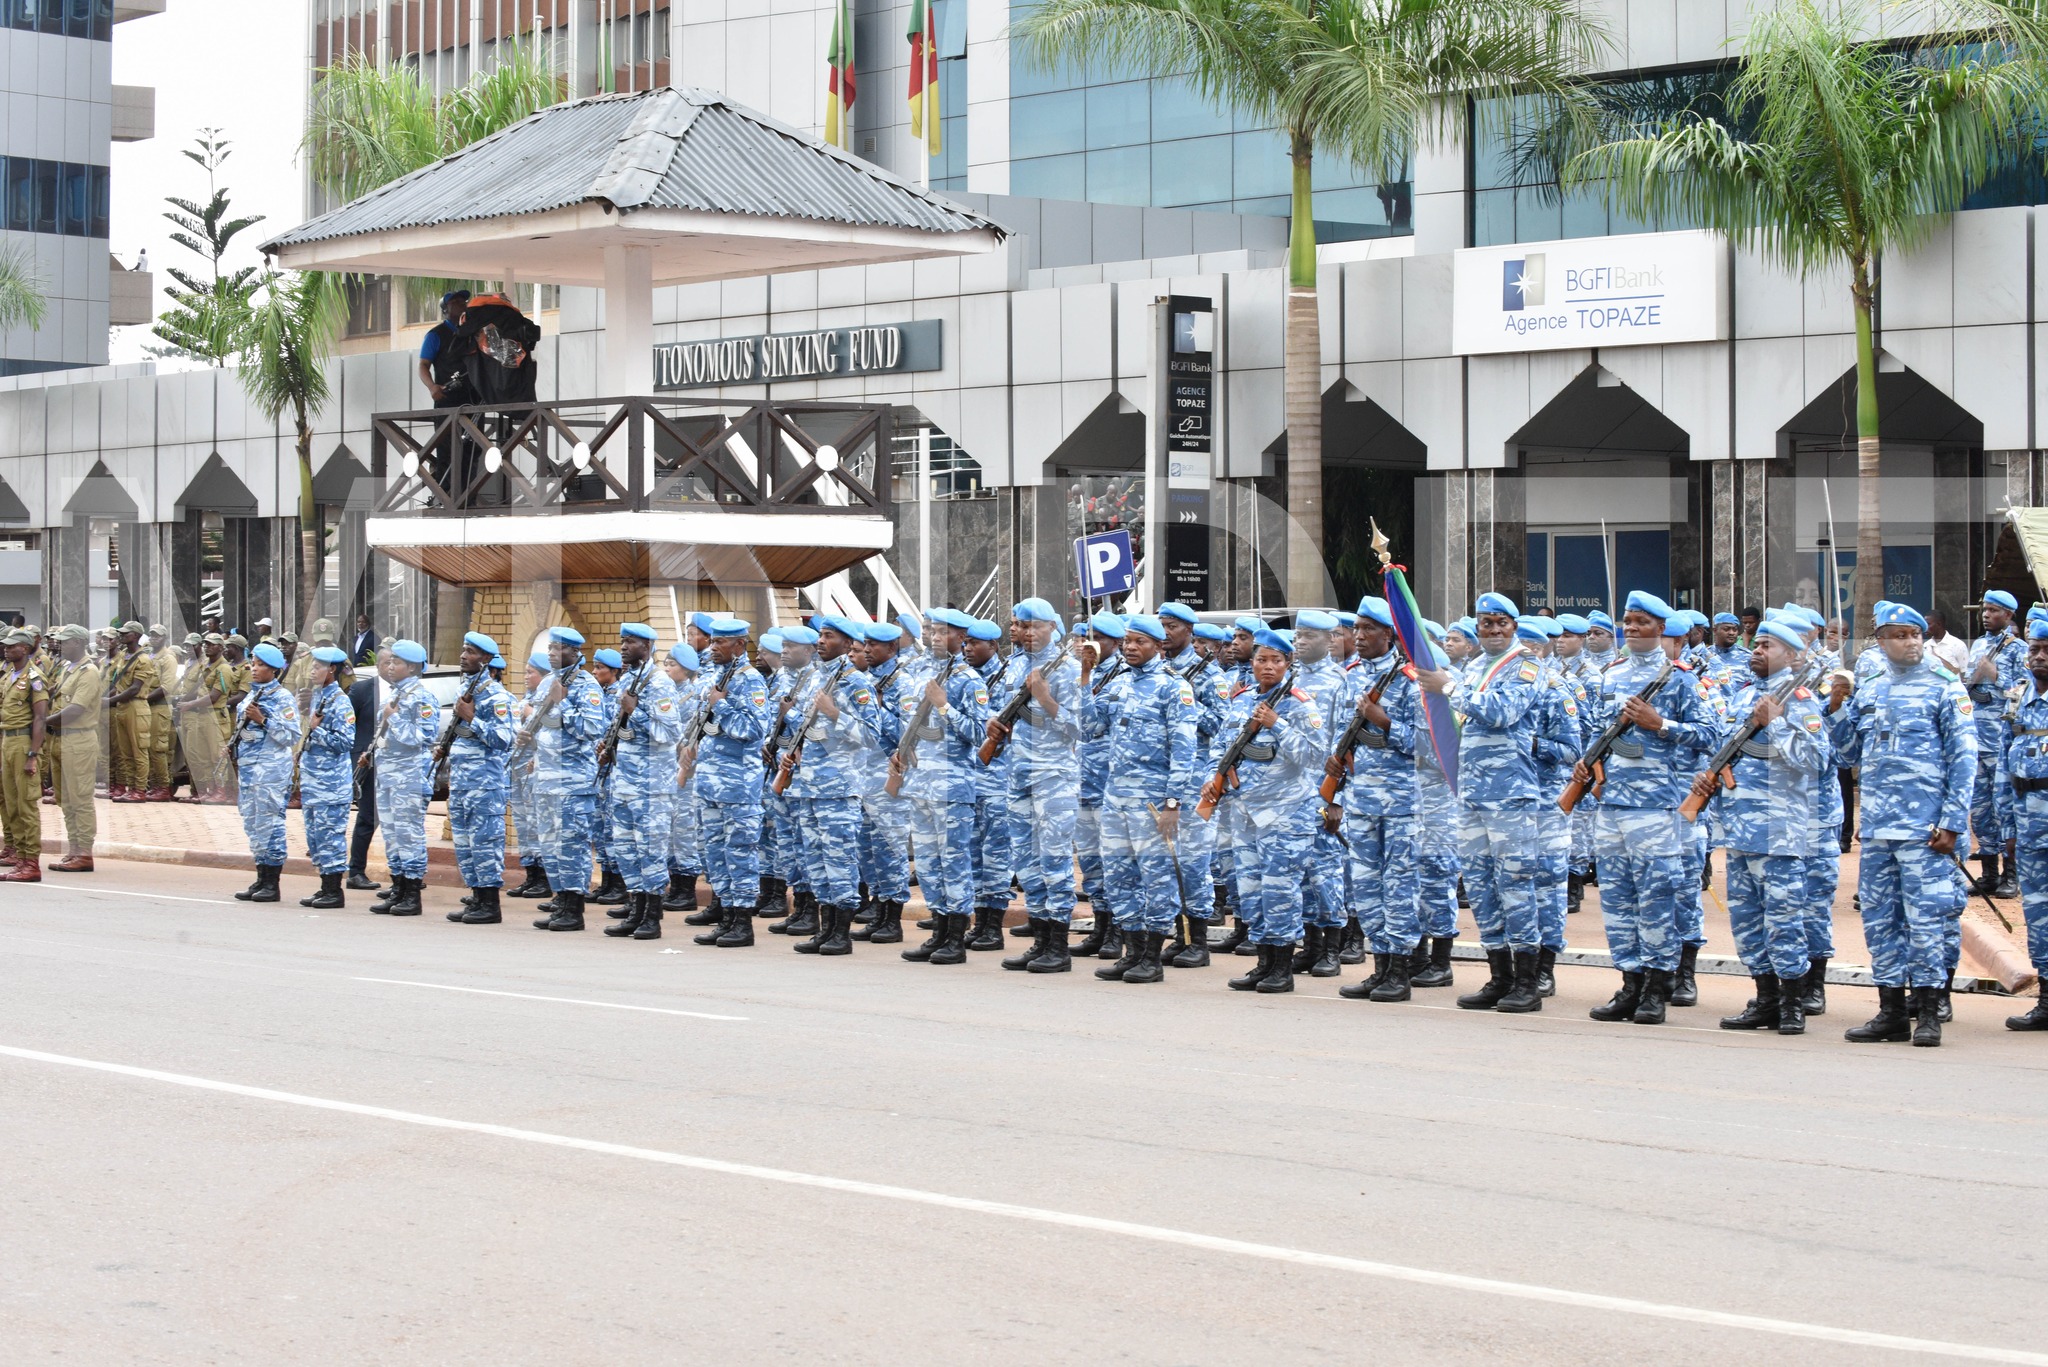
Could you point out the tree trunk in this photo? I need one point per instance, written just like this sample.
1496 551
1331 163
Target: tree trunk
1869 486
310 566
1307 583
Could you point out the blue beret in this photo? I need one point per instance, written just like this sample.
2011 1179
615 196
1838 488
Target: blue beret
609 658
564 636
686 656
1530 629
1250 626
908 621
730 627
983 630
1552 627
1315 620
1375 610
1433 630
852 631
1107 624
1346 619
1496 602
1676 626
1465 625
1999 598
772 642
1149 626
1573 623
2037 629
1783 631
637 630
268 654
1268 639
1726 619
1642 600
951 617
1058 632
1901 615
1179 612
1597 618
481 642
701 620
538 660
1698 618
884 631
495 662
412 652
1209 631
329 655
799 636
1035 610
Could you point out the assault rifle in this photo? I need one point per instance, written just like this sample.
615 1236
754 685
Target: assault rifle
786 769
1595 758
608 748
1014 708
1355 733
906 748
447 741
1722 770
1225 776
693 734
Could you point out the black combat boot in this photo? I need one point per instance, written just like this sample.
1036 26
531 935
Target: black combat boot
2008 884
1523 996
1195 953
1279 977
739 934
711 914
1325 964
1985 881
568 914
1891 1024
1497 986
726 922
682 893
248 894
1941 997
611 889
1546 973
650 923
836 926
329 894
887 927
919 954
381 903
486 911
1040 928
1253 976
988 929
1351 944
1175 945
1362 989
1311 949
1813 991
536 884
1089 945
953 927
1656 996
1926 1017
1134 949
774 898
1622 1005
630 918
1112 946
1056 958
1437 971
462 909
1791 1011
1685 989
1148 969
2036 1019
802 919
1239 933
407 903
822 915
863 911
1762 1011
621 910
1574 892
1393 983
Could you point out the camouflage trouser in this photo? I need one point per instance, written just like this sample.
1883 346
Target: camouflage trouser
732 851
940 833
1912 899
1554 837
789 862
1823 876
2030 818
1041 813
1267 864
1088 849
685 837
831 841
885 847
1767 902
1984 794
1692 913
402 817
565 822
525 820
264 792
476 816
1383 881
1503 864
1137 868
990 847
1642 862
1324 894
1436 859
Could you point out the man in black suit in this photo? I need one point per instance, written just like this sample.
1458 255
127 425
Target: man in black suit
367 696
365 648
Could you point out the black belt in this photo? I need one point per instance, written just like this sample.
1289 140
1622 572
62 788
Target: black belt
2023 786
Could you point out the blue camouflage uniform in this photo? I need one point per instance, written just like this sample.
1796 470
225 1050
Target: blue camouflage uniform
263 763
1275 810
1912 733
830 778
728 783
404 774
940 787
1500 700
519 784
1150 724
1324 895
327 778
642 783
565 775
782 855
1772 817
885 820
685 833
1558 743
1045 788
989 840
1198 838
2026 765
1989 803
478 785
1378 800
1105 683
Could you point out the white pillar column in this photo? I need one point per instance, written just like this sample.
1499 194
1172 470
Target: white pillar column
626 366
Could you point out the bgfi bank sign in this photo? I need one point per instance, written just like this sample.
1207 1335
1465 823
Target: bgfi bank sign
1590 292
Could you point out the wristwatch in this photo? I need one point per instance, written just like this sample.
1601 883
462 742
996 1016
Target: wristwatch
1172 804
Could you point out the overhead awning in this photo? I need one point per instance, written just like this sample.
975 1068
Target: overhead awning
12 509
101 495
217 489
2029 527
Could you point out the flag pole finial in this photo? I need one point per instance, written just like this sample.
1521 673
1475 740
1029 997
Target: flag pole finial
1379 544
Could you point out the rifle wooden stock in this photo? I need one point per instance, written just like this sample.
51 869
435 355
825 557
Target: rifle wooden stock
1595 758
1014 708
1573 791
1225 776
1722 768
786 770
1212 793
1333 784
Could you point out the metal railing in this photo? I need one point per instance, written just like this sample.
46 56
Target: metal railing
631 454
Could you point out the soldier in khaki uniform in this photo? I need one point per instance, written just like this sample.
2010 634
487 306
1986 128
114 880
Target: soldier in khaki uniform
24 711
163 728
200 709
134 679
75 720
298 666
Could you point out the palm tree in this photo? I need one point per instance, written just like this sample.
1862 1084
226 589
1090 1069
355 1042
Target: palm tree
288 335
1364 77
1837 149
21 290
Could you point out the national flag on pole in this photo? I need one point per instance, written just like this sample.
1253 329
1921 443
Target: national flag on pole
924 73
1436 708
839 83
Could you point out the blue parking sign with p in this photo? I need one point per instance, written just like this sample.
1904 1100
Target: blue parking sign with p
1104 564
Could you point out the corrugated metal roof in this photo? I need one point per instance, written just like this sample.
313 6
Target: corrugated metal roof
669 148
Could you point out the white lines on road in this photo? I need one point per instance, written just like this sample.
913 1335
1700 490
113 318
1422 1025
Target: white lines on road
123 892
1158 1234
563 1001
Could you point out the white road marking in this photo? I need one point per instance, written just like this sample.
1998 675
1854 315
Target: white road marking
565 1001
1159 1234
152 896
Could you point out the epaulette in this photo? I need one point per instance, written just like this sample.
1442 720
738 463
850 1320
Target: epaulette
1803 694
1684 666
1943 671
1297 693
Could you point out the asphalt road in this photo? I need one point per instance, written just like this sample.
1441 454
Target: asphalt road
258 1135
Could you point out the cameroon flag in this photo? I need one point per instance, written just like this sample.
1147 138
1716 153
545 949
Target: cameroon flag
839 83
924 74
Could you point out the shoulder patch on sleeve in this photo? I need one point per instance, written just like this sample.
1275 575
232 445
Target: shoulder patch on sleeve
861 696
1530 671
1187 695
1964 707
501 709
1813 722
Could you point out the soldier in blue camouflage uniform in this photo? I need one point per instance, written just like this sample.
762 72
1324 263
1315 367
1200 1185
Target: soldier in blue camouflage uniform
1272 807
1325 899
885 820
638 789
727 779
774 899
477 783
519 775
1640 848
1438 872
1196 840
1601 649
411 723
1913 736
1498 697
685 836
827 780
606 666
1378 800
1150 721
1996 670
266 730
1771 817
789 872
1573 661
1694 838
2026 766
1102 669
1558 745
989 834
939 782
1727 651
327 775
565 776
1044 788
